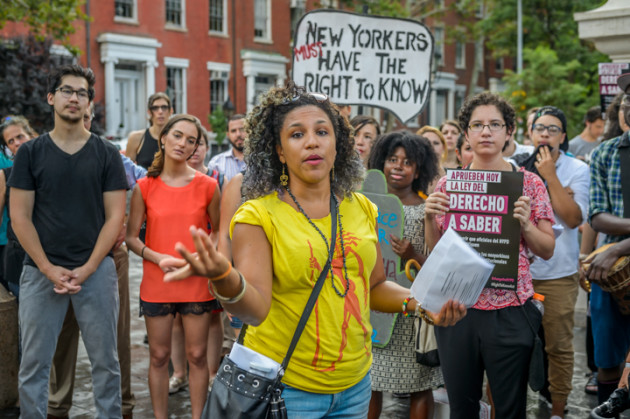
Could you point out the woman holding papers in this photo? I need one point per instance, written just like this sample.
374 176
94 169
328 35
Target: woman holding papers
496 335
409 164
301 165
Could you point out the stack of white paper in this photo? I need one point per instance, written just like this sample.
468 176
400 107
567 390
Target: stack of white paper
453 270
252 361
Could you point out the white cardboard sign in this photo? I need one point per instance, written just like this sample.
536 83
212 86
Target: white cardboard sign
364 60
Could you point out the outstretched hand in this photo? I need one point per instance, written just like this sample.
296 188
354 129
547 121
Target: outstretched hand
451 312
207 261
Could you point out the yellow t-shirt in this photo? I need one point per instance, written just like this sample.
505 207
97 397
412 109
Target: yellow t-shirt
334 351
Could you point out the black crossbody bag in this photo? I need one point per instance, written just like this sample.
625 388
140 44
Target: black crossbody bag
241 394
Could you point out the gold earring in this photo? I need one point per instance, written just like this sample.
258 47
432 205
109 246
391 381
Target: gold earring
332 174
284 179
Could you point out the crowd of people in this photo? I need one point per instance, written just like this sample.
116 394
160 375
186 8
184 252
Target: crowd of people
242 239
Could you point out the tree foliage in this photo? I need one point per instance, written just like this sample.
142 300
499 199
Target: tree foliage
45 18
377 7
218 121
24 67
547 80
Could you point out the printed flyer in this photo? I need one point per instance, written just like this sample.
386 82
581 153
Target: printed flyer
481 211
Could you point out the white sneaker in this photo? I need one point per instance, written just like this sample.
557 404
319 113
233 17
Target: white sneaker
175 384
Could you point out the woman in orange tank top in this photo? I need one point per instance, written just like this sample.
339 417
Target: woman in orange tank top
173 197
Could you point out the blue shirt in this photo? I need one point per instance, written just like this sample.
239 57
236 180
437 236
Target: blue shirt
4 163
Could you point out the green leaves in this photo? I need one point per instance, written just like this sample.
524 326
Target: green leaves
218 121
54 18
547 80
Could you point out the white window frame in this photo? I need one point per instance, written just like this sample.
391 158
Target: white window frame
182 25
224 32
480 9
266 38
439 44
460 55
180 64
132 19
223 71
499 64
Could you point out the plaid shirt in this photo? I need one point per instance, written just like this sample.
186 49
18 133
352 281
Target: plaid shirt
606 195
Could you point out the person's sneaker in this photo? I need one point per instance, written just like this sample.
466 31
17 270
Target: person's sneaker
616 403
175 384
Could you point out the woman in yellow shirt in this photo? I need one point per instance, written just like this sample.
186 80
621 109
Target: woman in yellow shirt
299 155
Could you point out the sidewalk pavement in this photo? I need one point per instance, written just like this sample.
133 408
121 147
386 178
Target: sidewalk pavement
579 405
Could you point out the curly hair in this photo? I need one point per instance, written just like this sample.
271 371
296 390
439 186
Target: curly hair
158 161
487 99
21 122
417 148
438 132
263 125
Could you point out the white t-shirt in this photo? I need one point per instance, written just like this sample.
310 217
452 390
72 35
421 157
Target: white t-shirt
575 174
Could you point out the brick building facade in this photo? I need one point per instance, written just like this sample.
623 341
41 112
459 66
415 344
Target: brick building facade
201 52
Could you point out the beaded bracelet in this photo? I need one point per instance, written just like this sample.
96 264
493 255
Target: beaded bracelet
234 299
404 307
422 313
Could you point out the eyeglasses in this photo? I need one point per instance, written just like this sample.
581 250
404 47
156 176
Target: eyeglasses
551 129
626 100
320 97
156 108
493 126
67 93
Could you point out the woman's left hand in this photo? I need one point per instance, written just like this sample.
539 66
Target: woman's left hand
402 247
205 262
451 312
522 210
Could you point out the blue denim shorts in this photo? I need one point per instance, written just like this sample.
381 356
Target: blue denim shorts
352 403
611 329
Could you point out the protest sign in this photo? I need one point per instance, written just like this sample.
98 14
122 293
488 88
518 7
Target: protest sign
608 88
481 210
364 60
390 221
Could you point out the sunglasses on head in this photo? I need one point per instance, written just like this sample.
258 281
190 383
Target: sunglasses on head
319 97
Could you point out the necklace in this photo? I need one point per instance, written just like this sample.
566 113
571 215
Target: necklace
343 250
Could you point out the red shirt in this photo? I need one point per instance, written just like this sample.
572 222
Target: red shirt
170 212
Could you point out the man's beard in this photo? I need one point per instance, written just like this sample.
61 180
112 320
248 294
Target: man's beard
239 148
71 119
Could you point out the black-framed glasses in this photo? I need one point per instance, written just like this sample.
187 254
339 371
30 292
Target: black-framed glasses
67 93
551 129
320 97
163 108
626 100
493 126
